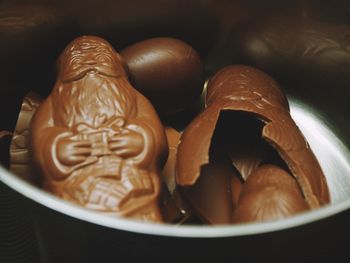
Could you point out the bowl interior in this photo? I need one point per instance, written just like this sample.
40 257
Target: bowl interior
213 28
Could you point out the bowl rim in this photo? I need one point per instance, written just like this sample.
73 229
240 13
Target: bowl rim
170 230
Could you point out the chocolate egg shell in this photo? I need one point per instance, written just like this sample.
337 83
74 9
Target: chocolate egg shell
183 212
211 197
168 173
169 72
248 90
236 189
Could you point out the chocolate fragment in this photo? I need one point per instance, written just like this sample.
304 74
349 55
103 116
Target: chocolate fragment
211 197
168 173
270 193
168 71
181 212
99 142
169 209
20 159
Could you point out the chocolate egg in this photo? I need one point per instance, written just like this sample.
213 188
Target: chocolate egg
235 95
168 176
268 204
270 193
169 72
270 175
236 189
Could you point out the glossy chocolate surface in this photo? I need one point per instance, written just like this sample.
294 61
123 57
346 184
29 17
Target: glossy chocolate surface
211 197
269 204
247 90
99 142
20 159
168 173
270 193
168 71
268 175
236 189
183 212
174 208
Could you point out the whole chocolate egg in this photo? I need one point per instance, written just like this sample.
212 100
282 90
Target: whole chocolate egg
272 203
268 175
169 72
270 193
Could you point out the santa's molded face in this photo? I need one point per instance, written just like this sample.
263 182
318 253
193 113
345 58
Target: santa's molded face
89 54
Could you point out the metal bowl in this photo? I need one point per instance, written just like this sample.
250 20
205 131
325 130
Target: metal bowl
35 226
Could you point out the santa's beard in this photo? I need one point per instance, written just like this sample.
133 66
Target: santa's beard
92 100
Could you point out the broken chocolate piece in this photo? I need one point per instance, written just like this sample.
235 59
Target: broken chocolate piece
173 137
210 197
20 159
183 212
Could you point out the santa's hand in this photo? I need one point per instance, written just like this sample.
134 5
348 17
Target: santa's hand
127 144
71 151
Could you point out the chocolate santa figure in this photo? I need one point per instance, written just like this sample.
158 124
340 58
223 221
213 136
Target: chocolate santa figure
99 142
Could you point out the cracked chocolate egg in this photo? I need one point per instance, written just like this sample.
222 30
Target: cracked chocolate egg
247 117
